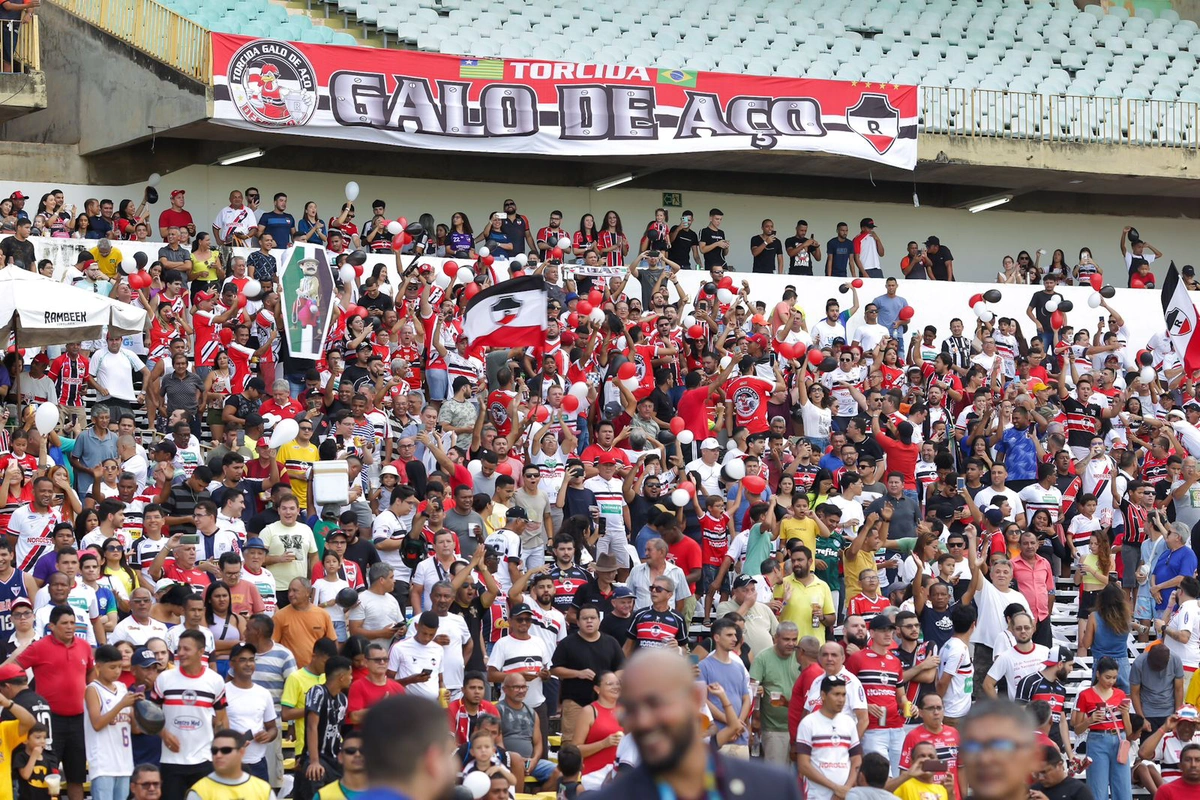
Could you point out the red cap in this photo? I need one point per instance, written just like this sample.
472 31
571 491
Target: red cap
608 458
18 195
176 191
262 444
205 296
758 339
10 671
41 358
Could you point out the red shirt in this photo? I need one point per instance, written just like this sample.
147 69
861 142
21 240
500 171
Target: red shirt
461 721
497 408
867 608
192 577
364 694
60 671
714 532
693 410
799 692
901 458
685 554
946 743
879 675
749 394
591 454
171 217
1178 790
1088 701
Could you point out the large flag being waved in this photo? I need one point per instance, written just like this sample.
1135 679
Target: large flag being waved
509 314
1180 315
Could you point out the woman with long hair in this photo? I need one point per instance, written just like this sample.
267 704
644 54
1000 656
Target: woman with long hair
80 229
585 237
207 269
1058 267
611 242
1009 273
1091 577
1107 631
127 217
598 731
816 413
1102 710
1086 267
86 522
822 487
118 576
783 497
226 626
218 385
310 228
461 242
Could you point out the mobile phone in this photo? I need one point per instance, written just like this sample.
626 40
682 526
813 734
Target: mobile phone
601 525
190 538
933 765
962 484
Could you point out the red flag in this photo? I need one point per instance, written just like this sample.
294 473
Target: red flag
1180 315
510 314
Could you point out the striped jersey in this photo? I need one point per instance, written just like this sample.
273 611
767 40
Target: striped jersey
879 675
69 374
830 744
650 628
189 703
33 530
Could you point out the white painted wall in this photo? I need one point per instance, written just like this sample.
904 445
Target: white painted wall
978 241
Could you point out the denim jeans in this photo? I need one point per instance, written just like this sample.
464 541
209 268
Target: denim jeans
1105 773
911 494
439 384
108 787
887 742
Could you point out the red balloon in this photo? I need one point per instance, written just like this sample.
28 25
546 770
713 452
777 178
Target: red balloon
1097 282
786 349
398 241
595 297
726 283
570 403
754 484
906 313
677 425
583 307
488 260
688 487
403 222
627 370
1136 282
556 253
1057 320
358 270
361 312
696 332
241 300
470 290
351 310
815 356
573 320
857 283
504 468
226 336
975 300
541 413
451 268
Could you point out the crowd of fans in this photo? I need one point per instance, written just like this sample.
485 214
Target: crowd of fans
855 533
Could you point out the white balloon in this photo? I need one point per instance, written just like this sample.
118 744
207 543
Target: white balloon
393 227
129 266
346 273
253 288
980 310
679 499
578 389
465 275
478 783
725 296
736 469
352 191
726 361
154 179
685 437
473 466
630 383
1094 300
597 316
687 321
520 259
564 243
483 251
46 418
285 433
985 315
1147 374
441 279
1052 304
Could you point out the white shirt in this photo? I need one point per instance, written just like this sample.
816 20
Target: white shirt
824 332
639 582
388 526
409 657
991 627
708 475
1014 499
453 666
377 612
241 220
956 660
173 635
856 696
108 750
870 335
1013 665
852 515
549 624
523 655
264 581
114 372
427 573
250 710
137 634
1186 618
827 742
189 721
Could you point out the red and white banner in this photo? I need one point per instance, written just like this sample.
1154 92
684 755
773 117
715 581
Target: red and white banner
537 107
1180 315
509 314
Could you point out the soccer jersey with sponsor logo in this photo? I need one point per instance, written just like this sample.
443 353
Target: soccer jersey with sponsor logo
567 583
715 537
190 703
523 655
650 628
880 675
33 530
830 744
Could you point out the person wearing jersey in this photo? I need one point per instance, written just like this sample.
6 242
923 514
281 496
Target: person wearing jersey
107 727
659 625
944 739
882 678
193 701
228 781
827 747
1083 417
569 578
1049 685
1163 749
71 376
33 523
956 671
14 584
747 395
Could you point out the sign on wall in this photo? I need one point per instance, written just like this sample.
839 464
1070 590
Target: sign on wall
539 107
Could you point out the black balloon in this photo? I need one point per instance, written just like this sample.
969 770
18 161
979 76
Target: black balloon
347 598
1149 284
414 229
139 258
357 258
151 195
149 716
1065 306
1108 292
845 287
710 288
993 296
666 437
1146 359
829 364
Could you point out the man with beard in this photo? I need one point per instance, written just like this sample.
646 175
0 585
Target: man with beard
662 707
807 600
854 634
1050 685
473 603
1022 659
413 761
996 736
919 659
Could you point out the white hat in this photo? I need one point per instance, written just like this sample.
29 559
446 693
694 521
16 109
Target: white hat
389 470
710 444
163 584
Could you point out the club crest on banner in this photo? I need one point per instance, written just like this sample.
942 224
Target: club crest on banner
272 84
505 309
876 120
1178 322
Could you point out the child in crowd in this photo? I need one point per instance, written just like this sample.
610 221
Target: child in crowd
484 758
32 762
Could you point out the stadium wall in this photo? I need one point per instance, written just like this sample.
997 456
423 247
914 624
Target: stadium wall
978 241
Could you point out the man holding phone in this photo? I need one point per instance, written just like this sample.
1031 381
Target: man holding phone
416 663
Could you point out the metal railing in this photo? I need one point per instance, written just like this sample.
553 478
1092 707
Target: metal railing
1066 119
152 28
28 53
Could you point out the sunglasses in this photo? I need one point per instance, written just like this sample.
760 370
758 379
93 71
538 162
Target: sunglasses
351 751
224 751
657 589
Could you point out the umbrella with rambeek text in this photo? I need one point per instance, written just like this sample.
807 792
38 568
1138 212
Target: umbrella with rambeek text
36 311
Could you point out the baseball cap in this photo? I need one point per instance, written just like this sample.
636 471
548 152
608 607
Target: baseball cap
881 622
608 458
710 444
866 222
176 192
143 657
22 601
10 671
519 609
932 240
1059 654
165 583
255 543
758 339
1187 713
621 590
743 580
18 195
1038 387
263 444
994 516
205 296
389 470
516 512
41 358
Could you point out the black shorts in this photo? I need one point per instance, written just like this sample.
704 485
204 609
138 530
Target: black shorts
70 747
1087 604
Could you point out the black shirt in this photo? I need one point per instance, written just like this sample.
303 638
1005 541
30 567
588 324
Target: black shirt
939 259
21 253
362 553
515 230
614 626
475 615
664 409
1070 789
936 627
802 262
768 259
912 689
681 246
1038 303
34 788
603 655
716 256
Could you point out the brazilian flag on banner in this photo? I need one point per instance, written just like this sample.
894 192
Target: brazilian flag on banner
677 77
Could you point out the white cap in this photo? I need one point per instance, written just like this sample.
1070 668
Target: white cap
389 470
710 444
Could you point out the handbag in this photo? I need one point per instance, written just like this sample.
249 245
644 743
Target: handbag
1123 751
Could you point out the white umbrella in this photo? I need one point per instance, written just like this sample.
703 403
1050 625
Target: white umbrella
36 311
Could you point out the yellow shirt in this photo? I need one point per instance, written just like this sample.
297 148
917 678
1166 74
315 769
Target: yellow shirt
205 269
852 566
913 789
295 460
295 689
803 529
107 264
799 607
10 738
213 788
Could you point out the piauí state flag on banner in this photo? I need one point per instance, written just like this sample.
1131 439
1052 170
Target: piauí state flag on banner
509 314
